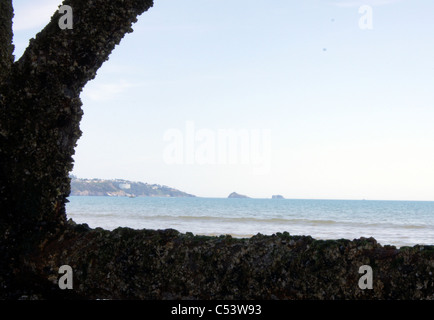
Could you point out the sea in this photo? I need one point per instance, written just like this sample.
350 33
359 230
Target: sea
397 223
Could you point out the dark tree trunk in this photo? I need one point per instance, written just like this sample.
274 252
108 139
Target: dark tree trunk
40 112
6 47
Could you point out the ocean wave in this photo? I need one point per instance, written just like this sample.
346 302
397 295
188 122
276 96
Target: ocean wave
235 219
286 221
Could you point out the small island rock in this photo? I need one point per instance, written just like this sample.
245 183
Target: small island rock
236 195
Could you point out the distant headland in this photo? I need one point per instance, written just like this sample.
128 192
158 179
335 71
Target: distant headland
121 188
132 189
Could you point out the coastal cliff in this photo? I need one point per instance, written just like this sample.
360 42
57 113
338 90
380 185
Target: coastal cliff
122 188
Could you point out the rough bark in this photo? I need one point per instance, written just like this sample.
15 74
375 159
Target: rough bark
40 111
6 46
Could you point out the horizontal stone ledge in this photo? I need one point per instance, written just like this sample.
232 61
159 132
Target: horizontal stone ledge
166 264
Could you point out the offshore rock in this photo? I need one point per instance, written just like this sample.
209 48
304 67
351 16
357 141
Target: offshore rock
237 195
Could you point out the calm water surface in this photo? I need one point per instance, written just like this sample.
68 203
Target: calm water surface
399 223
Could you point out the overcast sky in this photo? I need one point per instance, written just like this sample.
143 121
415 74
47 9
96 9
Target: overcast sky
307 99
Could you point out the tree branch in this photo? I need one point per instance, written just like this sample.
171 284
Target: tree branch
40 111
71 57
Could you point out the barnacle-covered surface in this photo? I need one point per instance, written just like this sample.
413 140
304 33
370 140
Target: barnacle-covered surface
165 264
6 50
40 111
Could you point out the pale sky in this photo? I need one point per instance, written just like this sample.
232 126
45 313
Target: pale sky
329 102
